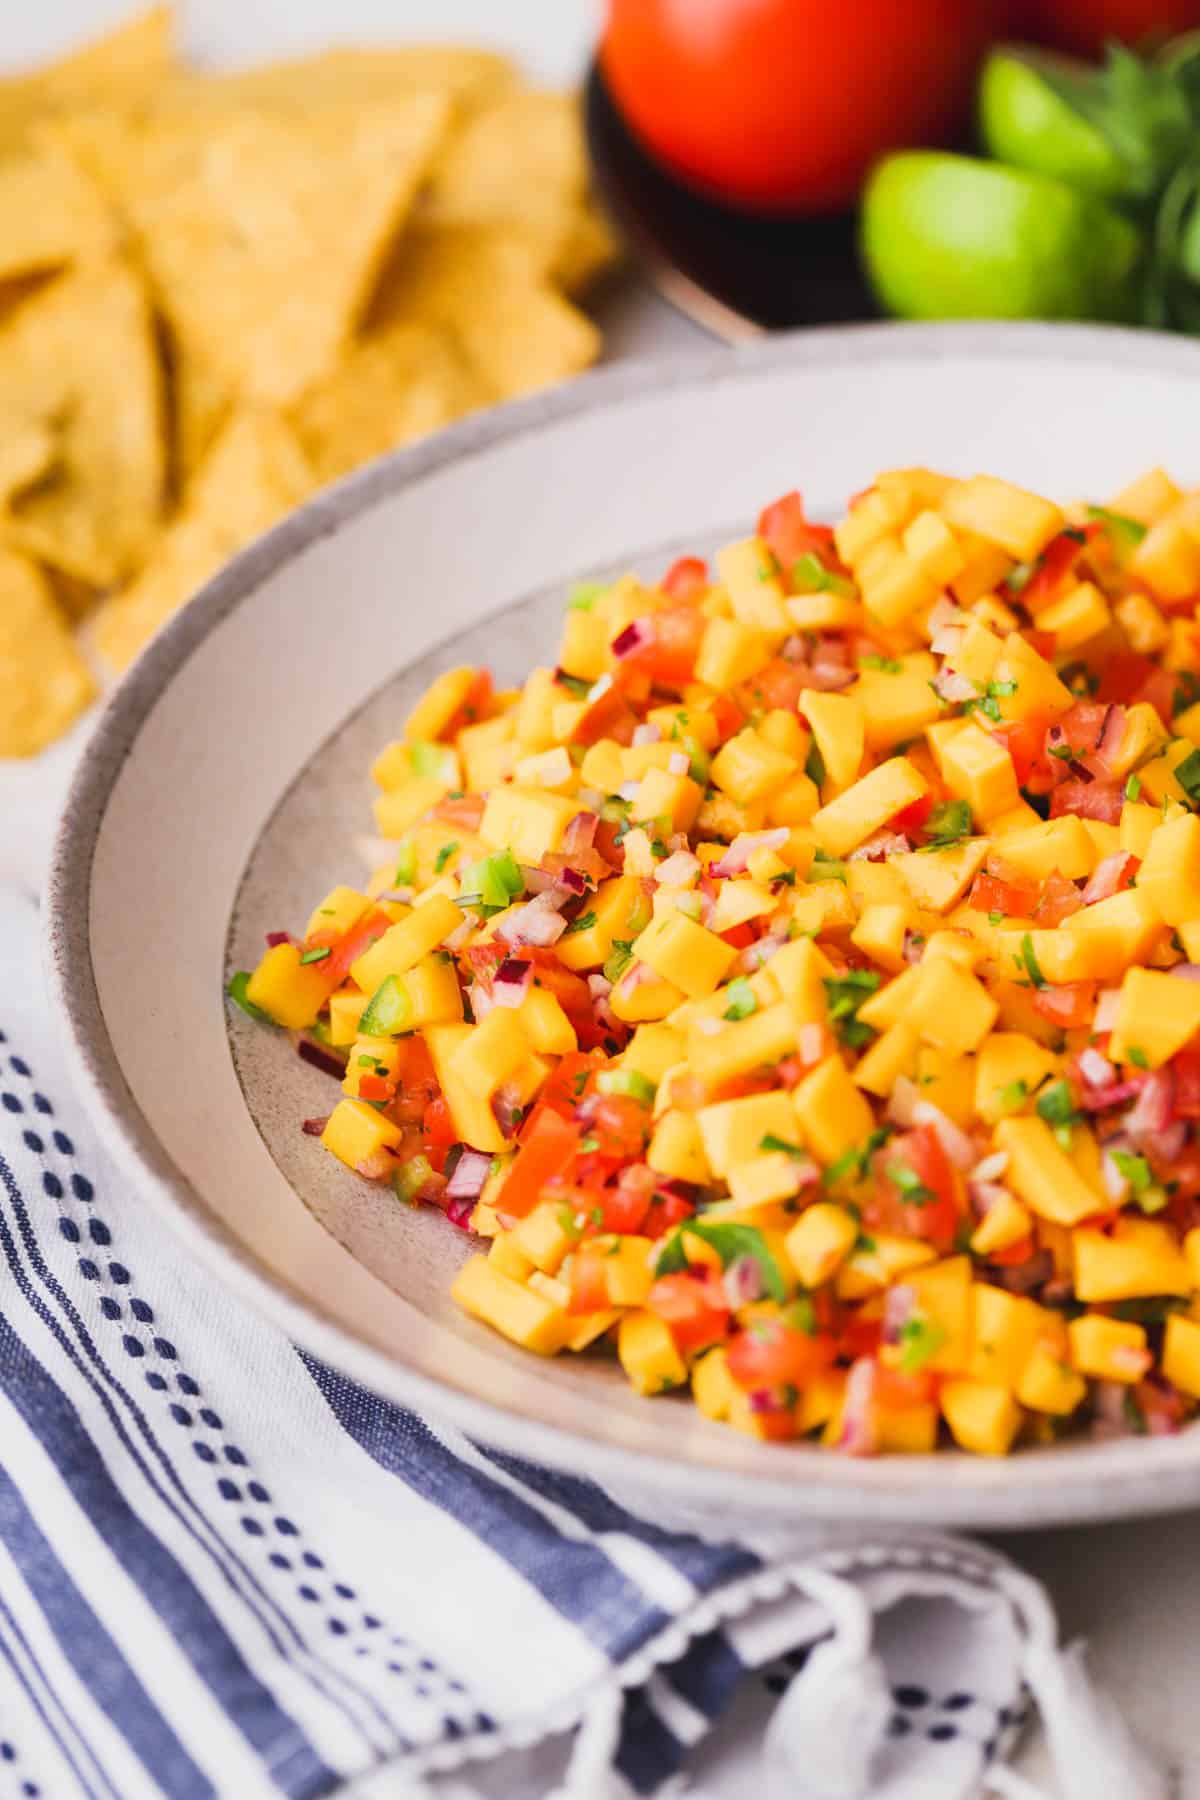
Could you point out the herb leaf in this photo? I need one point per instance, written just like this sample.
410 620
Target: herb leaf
729 1241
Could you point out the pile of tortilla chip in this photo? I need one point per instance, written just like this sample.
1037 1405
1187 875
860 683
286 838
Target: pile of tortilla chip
218 292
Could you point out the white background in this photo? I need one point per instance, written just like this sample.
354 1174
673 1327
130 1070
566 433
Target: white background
1135 1590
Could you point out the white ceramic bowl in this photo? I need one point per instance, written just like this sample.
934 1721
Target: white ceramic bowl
227 782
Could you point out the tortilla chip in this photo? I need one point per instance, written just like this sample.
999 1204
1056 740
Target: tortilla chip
393 387
483 287
44 682
125 65
79 360
26 453
50 214
254 473
524 152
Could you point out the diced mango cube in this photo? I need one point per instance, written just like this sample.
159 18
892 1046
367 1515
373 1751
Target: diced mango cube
747 768
648 1354
1108 1349
1021 523
528 821
983 1417
733 1130
686 954
834 1117
291 991
1135 1259
731 653
358 1136
978 769
1049 1384
950 1008
1006 1222
1170 871
338 912
1042 1174
677 1148
1157 1014
1008 1061
839 728
750 576
517 1312
1077 617
868 805
937 879
1181 1354
819 1242
402 946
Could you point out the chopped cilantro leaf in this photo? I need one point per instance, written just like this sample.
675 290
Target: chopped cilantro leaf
1137 1056
886 665
810 576
1126 533
1187 774
814 765
1031 963
584 922
826 868
443 856
1012 1095
844 995
1056 1104
785 1145
948 824
996 918
742 999
920 1341
237 993
911 1187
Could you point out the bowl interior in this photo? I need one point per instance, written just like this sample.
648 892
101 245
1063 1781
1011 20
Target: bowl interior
228 784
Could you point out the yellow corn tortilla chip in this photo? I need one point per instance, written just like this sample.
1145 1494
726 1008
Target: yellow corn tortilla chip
471 78
262 234
393 386
50 213
254 473
27 452
515 332
123 66
524 152
79 360
44 681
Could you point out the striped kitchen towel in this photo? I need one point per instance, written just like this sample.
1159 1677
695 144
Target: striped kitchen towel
227 1570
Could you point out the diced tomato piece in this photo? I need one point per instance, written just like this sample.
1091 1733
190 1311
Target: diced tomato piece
610 716
686 579
772 1353
1056 566
375 1087
1069 1006
1112 876
895 1390
918 1191
619 1125
1014 1254
740 937
547 1152
989 894
463 810
1130 678
1025 741
1185 1067
694 1305
664 1213
1100 800
788 534
668 657
778 686
911 818
476 705
1082 725
859 1335
588 1280
565 1087
1044 642
353 944
727 715
623 1208
1058 899
437 1128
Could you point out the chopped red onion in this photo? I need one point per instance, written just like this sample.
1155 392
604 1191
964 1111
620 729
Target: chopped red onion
882 845
678 763
810 1042
992 1167
506 1110
1111 738
648 733
955 1142
460 1212
680 869
320 1058
1024 1278
914 947
460 934
1131 1360
985 1195
767 1400
1116 1185
580 834
470 1173
634 976
628 790
1106 878
536 923
947 640
636 635
314 1127
899 1305
829 677
859 1434
480 1000
1110 1419
949 685
743 1282
736 859
1155 1108
944 612
512 981
905 1098
599 987
1096 1100
275 938
1096 1070
1108 1003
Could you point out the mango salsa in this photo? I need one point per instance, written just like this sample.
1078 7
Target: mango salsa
793 986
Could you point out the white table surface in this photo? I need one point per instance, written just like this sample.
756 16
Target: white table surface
1133 1590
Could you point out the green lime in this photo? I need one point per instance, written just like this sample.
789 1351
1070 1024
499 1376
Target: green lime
948 237
1025 119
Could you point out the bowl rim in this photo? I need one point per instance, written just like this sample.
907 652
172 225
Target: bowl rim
1110 1480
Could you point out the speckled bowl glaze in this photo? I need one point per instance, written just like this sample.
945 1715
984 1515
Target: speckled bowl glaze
227 783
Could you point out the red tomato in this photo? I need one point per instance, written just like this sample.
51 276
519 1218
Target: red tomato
894 1390
780 684
1082 724
1070 1006
788 534
1059 898
664 1213
911 818
547 1151
1025 742
1055 565
1085 26
693 1305
1128 677
1101 800
783 105
477 704
375 1087
1020 1252
588 1280
624 1207
464 810
686 579
917 1191
771 1353
728 716
353 944
669 657
990 894
620 1127
1185 1067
